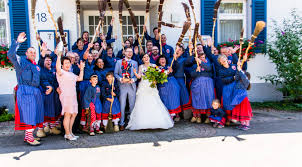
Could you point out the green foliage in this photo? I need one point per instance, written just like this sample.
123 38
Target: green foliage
282 105
285 51
5 116
4 61
155 75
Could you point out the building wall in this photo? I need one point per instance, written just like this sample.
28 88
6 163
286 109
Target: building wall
64 8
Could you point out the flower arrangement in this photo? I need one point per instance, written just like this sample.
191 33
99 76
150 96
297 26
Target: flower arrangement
4 61
232 43
155 75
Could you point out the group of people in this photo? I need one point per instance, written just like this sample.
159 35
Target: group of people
89 86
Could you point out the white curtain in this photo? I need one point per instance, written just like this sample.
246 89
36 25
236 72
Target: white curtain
230 30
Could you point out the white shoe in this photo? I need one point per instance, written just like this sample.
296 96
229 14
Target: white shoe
69 137
75 136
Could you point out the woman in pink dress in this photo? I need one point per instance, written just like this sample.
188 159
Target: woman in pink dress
68 96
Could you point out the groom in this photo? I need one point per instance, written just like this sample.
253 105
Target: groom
126 83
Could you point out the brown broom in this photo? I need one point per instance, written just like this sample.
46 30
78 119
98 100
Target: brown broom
216 7
132 17
109 127
33 16
110 6
194 41
102 10
160 17
258 29
61 30
241 43
54 23
147 11
120 8
185 29
78 17
188 16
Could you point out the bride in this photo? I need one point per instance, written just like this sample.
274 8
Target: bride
149 112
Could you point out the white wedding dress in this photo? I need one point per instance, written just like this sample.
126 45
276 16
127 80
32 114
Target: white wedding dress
149 112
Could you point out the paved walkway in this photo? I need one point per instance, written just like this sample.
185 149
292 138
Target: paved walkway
274 140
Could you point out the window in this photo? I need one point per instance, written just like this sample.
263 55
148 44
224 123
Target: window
93 23
3 22
231 19
128 30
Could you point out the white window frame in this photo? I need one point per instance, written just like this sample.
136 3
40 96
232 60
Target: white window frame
227 16
5 16
116 26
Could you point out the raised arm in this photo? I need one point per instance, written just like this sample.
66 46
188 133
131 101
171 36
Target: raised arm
82 66
12 53
58 64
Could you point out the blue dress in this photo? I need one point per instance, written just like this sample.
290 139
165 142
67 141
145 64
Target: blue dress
169 93
52 104
29 98
217 116
179 75
202 87
106 93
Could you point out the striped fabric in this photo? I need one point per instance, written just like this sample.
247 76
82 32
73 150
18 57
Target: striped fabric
169 93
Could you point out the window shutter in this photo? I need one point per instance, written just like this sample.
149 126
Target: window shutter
207 13
19 22
259 8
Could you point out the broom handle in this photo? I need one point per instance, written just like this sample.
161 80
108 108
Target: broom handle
160 45
122 34
240 49
110 112
53 20
79 25
195 48
143 33
190 37
96 31
246 52
213 31
35 29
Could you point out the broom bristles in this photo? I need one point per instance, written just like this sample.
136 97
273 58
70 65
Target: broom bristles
61 30
110 5
191 4
60 25
195 33
185 28
187 11
167 24
109 127
259 27
160 7
102 9
120 9
78 6
132 17
242 32
216 7
33 8
148 6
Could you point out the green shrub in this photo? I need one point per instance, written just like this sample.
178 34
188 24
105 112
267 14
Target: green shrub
285 51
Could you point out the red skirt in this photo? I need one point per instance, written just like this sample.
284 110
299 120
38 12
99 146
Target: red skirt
243 111
175 111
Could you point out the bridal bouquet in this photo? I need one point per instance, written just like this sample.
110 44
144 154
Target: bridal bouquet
155 75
